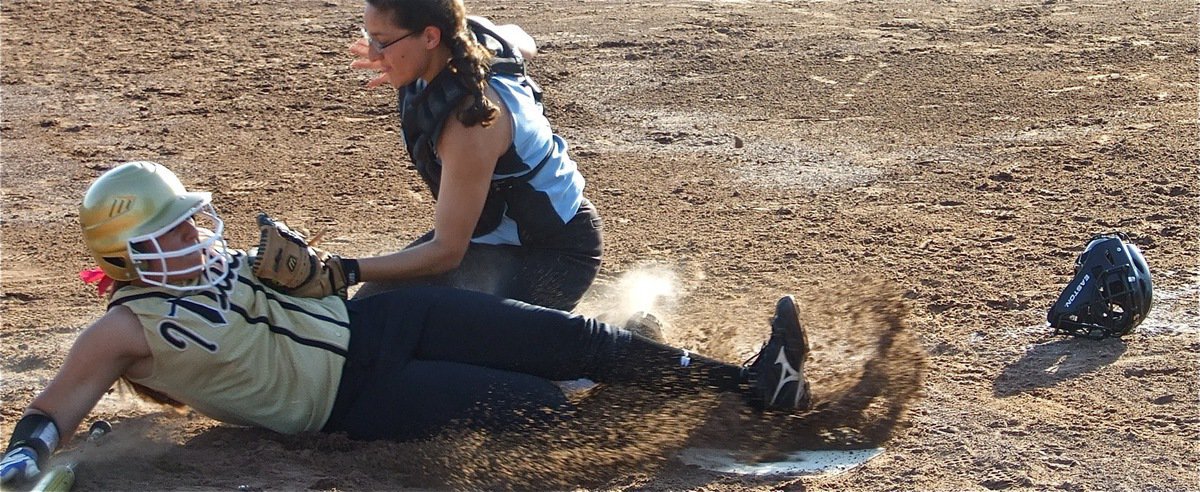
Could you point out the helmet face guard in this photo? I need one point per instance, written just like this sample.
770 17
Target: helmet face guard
1110 294
127 211
150 260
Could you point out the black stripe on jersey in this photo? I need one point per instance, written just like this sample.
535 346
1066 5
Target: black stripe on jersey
144 295
169 297
279 330
289 306
245 315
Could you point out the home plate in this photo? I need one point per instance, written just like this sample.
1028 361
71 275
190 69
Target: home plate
793 464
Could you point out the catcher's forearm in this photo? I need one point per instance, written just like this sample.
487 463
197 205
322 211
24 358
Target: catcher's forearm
285 261
426 259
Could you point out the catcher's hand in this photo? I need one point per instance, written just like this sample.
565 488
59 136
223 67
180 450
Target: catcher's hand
286 262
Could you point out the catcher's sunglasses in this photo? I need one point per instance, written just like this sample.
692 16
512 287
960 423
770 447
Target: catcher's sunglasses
376 45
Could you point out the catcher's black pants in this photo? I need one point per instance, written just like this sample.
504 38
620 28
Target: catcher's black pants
555 274
423 359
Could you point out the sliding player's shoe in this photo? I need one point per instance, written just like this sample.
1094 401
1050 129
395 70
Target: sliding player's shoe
776 374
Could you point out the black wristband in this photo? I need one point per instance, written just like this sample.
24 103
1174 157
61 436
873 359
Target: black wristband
350 266
36 431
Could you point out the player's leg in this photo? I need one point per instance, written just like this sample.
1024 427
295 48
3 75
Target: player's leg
555 274
479 329
500 270
419 399
549 278
562 268
545 277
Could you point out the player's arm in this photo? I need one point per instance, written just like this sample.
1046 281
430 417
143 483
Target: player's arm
468 156
100 355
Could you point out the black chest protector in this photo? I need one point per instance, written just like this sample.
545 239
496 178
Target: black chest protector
423 115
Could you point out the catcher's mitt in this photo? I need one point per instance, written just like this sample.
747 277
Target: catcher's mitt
286 262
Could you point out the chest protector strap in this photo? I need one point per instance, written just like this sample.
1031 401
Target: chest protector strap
424 112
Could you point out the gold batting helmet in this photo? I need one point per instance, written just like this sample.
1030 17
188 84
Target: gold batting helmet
137 202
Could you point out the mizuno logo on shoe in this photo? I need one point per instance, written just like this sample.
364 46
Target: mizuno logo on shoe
787 374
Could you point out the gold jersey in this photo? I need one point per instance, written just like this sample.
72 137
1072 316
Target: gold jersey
242 352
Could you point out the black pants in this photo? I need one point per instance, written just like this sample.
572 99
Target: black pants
555 274
423 359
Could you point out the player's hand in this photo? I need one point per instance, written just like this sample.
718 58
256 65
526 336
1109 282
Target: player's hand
362 60
20 463
286 261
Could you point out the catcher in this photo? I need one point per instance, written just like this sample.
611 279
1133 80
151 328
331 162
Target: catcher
188 320
511 218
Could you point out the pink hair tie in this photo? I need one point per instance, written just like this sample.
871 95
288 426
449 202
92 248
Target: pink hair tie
96 276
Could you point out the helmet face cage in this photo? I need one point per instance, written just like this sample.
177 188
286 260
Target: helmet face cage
150 260
1110 294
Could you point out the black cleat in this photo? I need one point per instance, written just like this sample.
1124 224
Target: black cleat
776 374
646 325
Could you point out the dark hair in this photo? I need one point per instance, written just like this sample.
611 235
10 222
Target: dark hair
470 61
116 285
152 395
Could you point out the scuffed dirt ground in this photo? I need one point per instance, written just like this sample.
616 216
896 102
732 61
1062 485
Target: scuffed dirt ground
918 173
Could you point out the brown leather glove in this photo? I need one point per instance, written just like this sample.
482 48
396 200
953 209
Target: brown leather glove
285 262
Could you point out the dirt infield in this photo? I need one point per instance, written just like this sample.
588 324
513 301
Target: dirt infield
919 174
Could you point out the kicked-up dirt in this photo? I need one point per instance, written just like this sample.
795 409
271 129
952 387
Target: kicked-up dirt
921 175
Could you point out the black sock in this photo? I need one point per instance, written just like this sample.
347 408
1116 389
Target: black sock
638 361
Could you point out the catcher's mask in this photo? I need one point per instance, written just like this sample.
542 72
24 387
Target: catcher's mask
1110 294
128 209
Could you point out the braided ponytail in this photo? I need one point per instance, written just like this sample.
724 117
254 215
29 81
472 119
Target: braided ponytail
470 62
